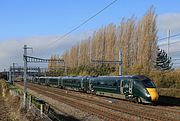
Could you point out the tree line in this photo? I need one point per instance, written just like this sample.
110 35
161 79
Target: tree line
136 38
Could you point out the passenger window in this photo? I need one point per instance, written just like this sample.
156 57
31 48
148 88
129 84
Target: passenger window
102 83
115 83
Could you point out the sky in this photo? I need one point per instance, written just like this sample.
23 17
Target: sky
41 23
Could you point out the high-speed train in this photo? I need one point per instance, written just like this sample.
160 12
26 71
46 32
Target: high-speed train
136 88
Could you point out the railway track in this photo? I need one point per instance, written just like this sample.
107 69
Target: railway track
77 104
161 113
153 110
142 111
128 109
172 109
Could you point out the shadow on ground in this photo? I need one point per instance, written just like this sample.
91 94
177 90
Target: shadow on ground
53 115
60 117
168 101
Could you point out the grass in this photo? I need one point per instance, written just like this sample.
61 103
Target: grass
171 92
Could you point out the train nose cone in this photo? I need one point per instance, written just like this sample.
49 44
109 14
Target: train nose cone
153 93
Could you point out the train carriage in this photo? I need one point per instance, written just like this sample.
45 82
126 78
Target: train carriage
107 86
75 83
43 80
131 87
137 88
144 89
34 80
54 81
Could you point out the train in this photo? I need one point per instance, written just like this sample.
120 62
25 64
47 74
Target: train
136 88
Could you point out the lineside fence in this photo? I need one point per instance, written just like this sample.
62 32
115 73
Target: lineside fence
37 112
38 108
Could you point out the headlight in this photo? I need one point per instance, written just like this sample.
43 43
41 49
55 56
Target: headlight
148 95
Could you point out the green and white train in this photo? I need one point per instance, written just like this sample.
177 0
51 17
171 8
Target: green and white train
137 88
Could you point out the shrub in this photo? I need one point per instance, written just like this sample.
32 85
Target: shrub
168 79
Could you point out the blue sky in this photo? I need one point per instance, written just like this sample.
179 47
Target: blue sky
24 18
38 23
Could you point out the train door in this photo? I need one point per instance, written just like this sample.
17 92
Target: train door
130 86
46 81
82 86
90 85
86 84
62 85
125 84
121 86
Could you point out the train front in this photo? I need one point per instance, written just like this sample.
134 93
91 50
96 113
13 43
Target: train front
147 89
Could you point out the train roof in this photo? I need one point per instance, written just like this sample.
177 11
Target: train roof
120 77
50 77
74 77
97 77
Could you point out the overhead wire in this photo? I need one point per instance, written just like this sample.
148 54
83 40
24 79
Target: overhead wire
86 21
169 43
175 35
176 59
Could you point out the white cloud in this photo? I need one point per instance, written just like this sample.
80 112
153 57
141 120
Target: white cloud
168 21
164 23
11 51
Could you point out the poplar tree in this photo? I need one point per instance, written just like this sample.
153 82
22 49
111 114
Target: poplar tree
137 39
